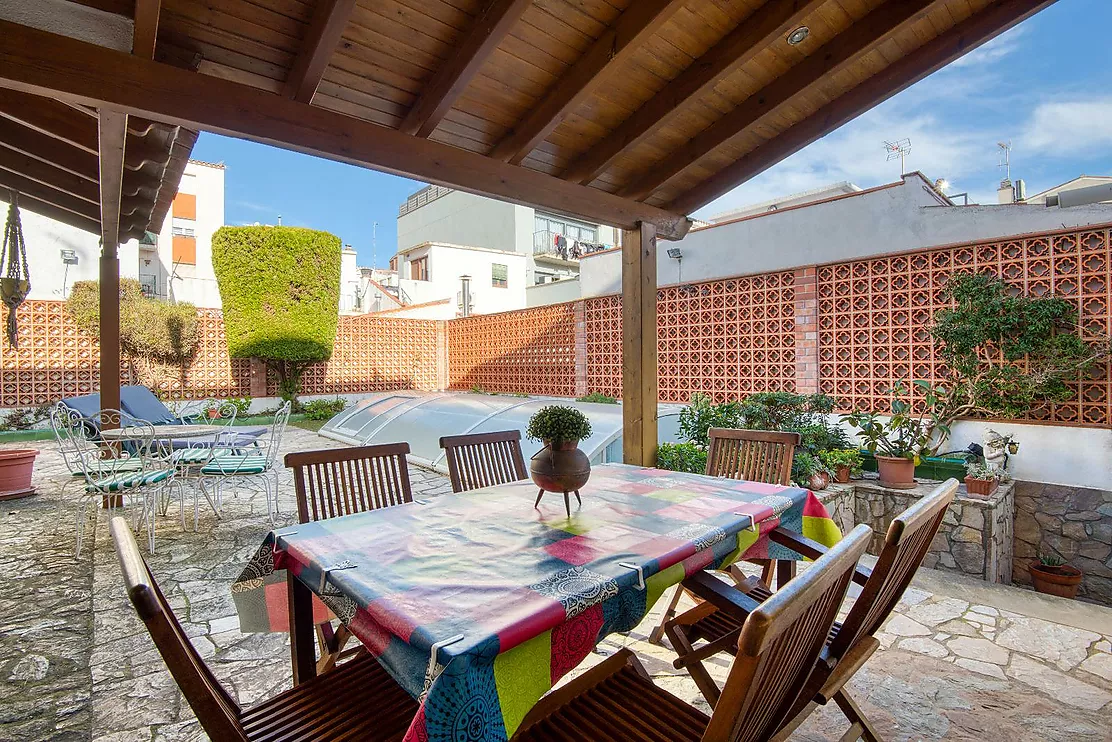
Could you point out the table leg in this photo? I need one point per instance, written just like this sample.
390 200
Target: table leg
302 647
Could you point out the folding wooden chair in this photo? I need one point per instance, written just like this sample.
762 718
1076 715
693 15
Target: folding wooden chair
776 653
851 642
484 459
357 701
341 481
755 456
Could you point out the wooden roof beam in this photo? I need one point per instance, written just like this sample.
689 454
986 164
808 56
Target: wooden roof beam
843 50
113 136
45 193
58 214
903 73
325 29
49 175
766 25
632 29
146 27
32 143
451 78
48 64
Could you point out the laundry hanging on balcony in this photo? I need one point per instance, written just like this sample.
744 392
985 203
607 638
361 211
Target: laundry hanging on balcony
15 278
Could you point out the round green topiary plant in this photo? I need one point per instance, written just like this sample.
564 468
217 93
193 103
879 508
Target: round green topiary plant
556 423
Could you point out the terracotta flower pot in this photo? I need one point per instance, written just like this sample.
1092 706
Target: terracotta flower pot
560 467
981 487
1062 580
896 473
16 466
841 474
819 481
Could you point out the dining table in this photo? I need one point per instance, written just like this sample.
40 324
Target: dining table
477 603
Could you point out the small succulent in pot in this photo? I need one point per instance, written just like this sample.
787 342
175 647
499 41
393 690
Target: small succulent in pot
842 462
981 478
560 466
1052 576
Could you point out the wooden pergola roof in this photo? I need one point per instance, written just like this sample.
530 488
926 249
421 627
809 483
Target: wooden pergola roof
49 154
618 110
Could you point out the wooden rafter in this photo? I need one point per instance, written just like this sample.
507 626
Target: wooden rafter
48 194
113 133
50 211
633 28
450 80
20 138
898 76
836 55
146 27
49 175
325 28
47 64
768 24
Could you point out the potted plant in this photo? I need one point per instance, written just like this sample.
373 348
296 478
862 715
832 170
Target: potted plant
1052 576
16 466
843 462
981 478
560 466
898 442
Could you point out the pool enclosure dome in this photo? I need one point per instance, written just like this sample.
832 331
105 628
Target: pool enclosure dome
420 419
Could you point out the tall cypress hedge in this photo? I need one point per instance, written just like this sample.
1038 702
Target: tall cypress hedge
280 287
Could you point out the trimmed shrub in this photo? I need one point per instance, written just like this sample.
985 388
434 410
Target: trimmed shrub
152 332
681 457
324 409
280 287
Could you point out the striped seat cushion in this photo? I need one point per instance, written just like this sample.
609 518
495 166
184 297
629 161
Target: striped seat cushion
249 464
110 466
129 480
197 455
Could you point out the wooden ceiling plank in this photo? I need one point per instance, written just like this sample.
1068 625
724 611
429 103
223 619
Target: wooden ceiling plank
50 117
58 214
62 200
453 77
329 19
145 27
32 143
963 38
836 55
635 26
770 22
112 134
49 175
40 62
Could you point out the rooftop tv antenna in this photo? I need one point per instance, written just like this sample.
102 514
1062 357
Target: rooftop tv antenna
1006 159
900 148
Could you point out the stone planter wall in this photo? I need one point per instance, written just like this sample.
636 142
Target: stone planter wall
1072 522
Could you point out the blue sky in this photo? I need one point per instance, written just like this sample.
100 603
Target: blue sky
1043 86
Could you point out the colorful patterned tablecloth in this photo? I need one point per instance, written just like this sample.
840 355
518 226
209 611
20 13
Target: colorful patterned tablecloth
477 603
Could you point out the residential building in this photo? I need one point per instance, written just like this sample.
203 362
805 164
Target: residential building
907 215
436 274
840 188
551 244
174 264
1083 181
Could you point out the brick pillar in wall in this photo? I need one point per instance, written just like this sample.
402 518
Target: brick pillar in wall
806 332
258 378
580 310
443 380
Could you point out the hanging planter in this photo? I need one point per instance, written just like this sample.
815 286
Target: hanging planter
15 278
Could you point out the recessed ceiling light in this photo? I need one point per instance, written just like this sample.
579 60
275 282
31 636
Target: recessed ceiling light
798 35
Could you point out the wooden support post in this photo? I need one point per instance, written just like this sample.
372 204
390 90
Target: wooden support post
112 132
639 382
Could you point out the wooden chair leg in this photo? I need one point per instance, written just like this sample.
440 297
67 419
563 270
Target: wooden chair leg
698 672
767 568
785 571
669 614
862 727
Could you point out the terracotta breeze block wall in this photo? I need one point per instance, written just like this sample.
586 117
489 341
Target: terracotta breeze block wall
875 315
532 351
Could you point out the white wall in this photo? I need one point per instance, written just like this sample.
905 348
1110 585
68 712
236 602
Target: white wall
448 262
556 292
463 219
194 283
900 218
443 309
45 238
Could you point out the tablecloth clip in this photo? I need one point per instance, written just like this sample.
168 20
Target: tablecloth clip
752 522
640 573
436 648
325 572
421 502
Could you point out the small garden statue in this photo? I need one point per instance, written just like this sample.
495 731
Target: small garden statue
997 447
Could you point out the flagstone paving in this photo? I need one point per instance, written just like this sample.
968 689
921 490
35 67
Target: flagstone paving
76 664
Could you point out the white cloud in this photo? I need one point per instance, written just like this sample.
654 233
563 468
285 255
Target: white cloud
1002 46
1065 128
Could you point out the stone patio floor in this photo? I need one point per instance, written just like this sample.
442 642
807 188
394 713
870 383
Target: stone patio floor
960 660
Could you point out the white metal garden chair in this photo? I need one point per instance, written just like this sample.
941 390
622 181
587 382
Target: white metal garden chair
190 462
254 467
132 470
70 448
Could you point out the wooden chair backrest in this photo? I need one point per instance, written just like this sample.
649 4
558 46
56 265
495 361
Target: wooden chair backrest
909 537
780 643
484 459
340 481
215 709
752 455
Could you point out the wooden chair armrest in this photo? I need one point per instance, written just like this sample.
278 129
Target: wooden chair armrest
811 550
692 615
722 596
